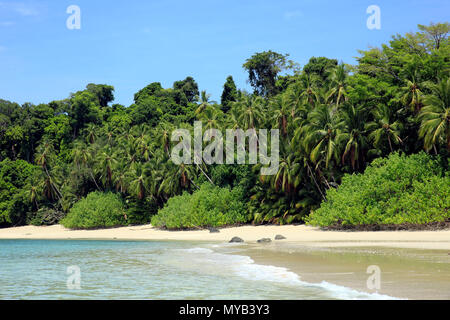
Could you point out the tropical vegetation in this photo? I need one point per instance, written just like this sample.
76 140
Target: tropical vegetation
60 158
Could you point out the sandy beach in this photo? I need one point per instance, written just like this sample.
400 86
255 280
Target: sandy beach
300 235
414 264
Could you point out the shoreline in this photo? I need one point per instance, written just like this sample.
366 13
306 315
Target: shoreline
299 235
332 260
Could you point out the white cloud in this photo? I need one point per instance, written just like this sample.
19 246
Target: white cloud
6 23
22 8
288 15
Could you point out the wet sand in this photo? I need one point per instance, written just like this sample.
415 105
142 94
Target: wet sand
405 273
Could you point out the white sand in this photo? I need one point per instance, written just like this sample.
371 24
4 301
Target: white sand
301 235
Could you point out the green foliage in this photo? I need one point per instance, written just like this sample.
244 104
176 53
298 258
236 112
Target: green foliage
263 69
97 210
399 189
208 207
320 66
229 94
334 119
15 202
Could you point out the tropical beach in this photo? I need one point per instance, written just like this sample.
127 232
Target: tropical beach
210 150
414 264
294 234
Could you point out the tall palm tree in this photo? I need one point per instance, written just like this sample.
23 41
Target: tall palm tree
120 176
83 158
321 134
91 133
384 128
435 116
288 176
105 164
251 111
354 135
139 185
163 135
210 118
338 83
308 89
412 95
204 102
44 156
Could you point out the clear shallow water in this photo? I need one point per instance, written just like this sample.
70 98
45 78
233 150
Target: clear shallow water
37 269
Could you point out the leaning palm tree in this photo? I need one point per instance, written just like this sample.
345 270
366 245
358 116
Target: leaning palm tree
384 128
435 116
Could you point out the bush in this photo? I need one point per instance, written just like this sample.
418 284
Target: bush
97 210
46 217
210 206
393 191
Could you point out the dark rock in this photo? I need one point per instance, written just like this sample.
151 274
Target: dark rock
214 230
236 240
279 237
264 240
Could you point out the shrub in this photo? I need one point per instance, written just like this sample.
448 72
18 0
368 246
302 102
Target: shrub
97 210
397 190
210 206
46 217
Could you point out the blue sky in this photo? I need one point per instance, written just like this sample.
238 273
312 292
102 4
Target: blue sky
129 44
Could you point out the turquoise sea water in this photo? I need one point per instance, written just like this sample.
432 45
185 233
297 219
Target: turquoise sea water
37 269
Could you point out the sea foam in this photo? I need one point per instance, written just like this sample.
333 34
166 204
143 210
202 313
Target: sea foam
246 268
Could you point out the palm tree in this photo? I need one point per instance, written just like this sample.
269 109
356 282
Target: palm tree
44 156
91 133
354 137
210 118
384 128
281 112
162 133
288 176
204 102
320 135
309 90
435 116
139 185
338 84
83 158
106 162
251 109
413 96
120 177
